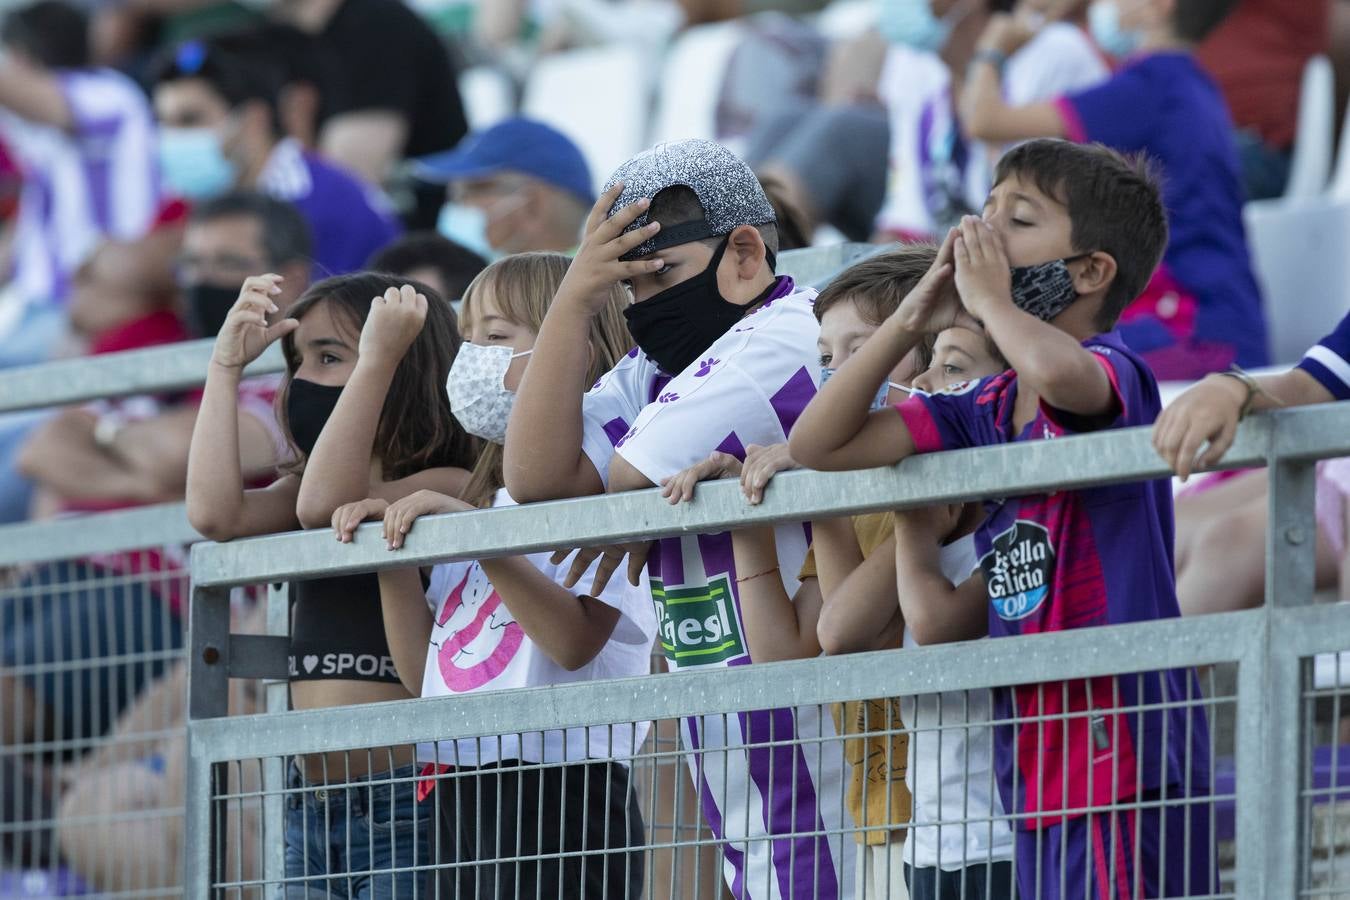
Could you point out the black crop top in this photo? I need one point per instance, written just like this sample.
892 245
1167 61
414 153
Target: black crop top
337 631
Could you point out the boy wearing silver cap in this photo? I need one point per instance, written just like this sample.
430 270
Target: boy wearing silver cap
726 358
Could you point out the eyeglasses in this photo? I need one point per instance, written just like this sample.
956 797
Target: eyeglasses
225 267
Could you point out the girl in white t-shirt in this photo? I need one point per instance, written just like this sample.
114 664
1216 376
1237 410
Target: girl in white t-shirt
491 624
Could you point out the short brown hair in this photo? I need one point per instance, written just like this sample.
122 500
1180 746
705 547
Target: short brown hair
877 285
1114 203
1193 20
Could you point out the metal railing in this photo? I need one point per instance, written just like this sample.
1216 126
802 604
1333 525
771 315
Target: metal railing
1271 648
32 829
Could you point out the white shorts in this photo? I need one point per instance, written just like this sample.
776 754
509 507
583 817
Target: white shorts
881 871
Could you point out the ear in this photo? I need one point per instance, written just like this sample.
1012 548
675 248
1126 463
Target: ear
1096 273
746 250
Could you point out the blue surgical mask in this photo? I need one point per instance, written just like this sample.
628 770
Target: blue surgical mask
193 164
911 23
879 401
467 226
1104 23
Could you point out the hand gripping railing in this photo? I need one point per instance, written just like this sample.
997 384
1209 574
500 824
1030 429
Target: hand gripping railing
1268 644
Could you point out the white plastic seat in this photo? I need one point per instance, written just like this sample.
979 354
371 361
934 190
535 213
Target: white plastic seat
599 97
691 82
1301 254
1310 167
488 94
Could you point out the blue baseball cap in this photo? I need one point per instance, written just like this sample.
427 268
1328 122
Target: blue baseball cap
513 145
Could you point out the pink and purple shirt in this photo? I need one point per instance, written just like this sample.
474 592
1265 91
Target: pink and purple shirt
1075 559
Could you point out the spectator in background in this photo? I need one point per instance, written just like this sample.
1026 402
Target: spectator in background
128 453
221 131
1202 310
1257 57
397 95
519 185
436 261
84 139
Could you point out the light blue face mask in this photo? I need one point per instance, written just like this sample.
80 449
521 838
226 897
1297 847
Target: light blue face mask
467 226
1104 23
879 401
193 164
911 23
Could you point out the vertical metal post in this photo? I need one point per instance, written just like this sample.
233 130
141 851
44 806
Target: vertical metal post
1271 747
277 695
208 698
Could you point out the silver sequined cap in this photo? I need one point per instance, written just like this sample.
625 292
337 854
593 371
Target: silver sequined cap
729 192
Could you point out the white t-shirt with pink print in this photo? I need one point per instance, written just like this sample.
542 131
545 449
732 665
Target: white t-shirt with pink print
477 645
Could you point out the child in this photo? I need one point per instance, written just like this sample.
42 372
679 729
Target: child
848 597
1066 377
726 358
345 340
538 633
1202 311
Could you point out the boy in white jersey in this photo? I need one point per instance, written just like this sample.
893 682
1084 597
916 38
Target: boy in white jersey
726 357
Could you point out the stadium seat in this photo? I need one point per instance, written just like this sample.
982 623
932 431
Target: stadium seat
691 81
1339 189
1299 250
599 97
1315 138
489 96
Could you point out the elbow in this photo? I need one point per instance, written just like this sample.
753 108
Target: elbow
834 639
977 128
805 452
314 512
212 526
28 462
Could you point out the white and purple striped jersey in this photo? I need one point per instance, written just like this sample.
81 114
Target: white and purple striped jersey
780 809
1328 361
99 180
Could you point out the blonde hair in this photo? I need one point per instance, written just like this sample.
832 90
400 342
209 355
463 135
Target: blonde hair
522 287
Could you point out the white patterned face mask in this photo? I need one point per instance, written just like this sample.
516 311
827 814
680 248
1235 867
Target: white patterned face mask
477 390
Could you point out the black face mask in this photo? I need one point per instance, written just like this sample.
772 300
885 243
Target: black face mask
673 327
207 306
308 406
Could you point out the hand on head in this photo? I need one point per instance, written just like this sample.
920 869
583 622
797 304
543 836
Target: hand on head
394 321
598 264
246 334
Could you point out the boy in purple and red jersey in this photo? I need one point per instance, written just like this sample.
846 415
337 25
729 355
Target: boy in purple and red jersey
1070 235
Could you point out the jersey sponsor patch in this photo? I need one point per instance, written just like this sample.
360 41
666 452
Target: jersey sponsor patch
698 625
1017 570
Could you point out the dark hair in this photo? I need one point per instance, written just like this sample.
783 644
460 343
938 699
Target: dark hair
1114 206
791 226
416 430
53 33
678 203
876 286
285 233
1193 20
457 265
236 78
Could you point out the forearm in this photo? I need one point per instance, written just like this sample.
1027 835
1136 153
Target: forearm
407 624
569 628
543 459
63 457
1293 388
981 101
1050 362
935 611
774 626
833 420
862 612
338 471
837 553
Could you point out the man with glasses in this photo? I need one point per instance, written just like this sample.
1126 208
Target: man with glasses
517 186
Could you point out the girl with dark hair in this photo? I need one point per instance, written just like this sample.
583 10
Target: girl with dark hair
348 339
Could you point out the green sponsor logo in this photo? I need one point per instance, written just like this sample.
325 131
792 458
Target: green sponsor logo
698 625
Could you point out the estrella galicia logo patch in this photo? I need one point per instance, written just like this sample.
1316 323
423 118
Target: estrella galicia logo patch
1017 570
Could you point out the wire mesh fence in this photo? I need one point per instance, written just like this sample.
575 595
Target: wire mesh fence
876 798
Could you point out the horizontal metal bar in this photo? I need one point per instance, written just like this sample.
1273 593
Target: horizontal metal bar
182 366
110 532
1063 464
173 367
259 656
1143 646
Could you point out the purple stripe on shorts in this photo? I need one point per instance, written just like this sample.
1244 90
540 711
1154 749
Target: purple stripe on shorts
802 863
792 398
712 813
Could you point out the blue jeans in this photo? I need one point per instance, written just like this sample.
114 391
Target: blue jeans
342 839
